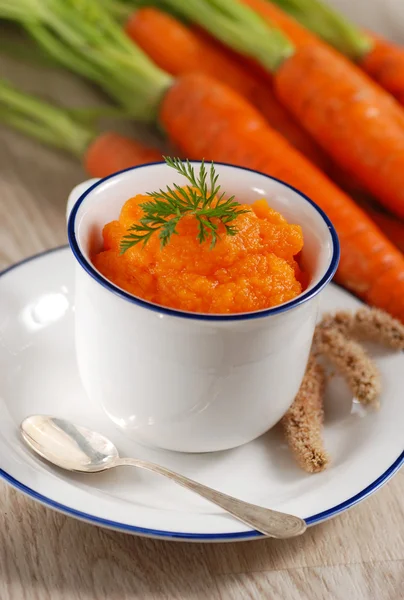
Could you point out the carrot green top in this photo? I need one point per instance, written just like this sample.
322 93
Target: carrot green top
328 24
49 124
240 27
237 26
85 38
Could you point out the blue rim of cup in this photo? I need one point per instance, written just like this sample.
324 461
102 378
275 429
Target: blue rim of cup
88 267
177 535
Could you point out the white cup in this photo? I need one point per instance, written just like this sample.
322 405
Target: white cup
186 381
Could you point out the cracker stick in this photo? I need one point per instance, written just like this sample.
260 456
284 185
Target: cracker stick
369 324
353 363
303 422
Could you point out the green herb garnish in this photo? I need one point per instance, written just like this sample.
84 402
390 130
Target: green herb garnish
167 208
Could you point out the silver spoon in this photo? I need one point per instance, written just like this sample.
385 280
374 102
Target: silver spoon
78 449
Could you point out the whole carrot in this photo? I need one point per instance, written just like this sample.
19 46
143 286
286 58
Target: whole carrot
356 122
205 118
381 59
177 49
101 154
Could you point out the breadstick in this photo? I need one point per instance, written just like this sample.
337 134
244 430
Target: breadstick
303 422
354 364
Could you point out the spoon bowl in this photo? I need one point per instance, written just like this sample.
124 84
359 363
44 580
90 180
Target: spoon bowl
68 446
78 449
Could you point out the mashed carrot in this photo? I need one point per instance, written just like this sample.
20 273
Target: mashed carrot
253 270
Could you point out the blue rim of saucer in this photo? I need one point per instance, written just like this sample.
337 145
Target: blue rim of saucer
87 266
175 535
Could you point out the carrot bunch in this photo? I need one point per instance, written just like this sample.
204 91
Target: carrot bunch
178 49
357 123
203 117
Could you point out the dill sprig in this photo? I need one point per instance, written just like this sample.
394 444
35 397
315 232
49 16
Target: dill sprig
163 213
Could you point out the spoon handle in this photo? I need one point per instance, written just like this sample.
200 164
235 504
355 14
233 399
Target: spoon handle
269 522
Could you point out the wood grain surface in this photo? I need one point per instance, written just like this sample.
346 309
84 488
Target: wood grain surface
47 556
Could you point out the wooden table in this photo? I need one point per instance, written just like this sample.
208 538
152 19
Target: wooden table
47 556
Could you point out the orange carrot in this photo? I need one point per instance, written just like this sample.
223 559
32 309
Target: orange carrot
340 176
179 50
385 64
382 60
205 118
111 152
360 125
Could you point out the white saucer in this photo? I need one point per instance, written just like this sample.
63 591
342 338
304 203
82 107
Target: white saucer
39 376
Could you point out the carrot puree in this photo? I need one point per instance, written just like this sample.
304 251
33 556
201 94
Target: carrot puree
252 270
